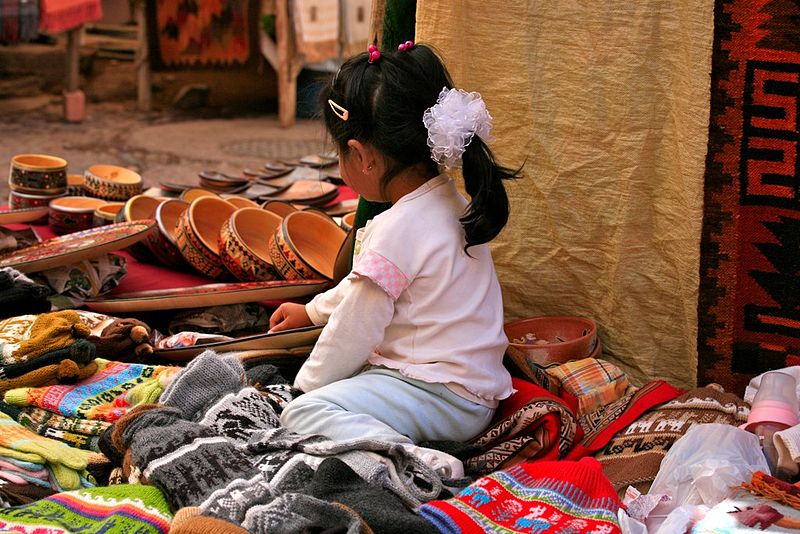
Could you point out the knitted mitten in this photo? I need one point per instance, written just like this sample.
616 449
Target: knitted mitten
14 436
50 332
65 372
124 340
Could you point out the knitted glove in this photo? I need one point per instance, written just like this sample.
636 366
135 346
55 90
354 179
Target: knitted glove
81 352
16 437
124 340
65 372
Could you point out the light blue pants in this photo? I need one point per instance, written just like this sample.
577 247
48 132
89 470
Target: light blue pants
384 405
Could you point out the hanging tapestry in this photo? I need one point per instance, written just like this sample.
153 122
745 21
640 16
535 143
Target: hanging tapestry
185 33
749 305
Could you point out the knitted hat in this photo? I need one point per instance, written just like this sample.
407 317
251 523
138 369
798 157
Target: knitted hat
544 497
122 508
49 332
124 340
633 456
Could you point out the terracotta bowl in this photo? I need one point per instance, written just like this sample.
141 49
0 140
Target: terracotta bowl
189 195
348 220
38 174
305 246
550 340
136 208
111 182
198 232
107 212
72 214
244 244
163 243
19 200
75 185
241 202
279 206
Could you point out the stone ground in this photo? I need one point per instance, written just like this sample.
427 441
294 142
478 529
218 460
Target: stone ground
160 146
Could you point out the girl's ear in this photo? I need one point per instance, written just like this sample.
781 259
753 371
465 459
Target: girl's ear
364 154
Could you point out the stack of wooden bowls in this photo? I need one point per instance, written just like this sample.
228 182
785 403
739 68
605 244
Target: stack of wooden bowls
111 182
35 180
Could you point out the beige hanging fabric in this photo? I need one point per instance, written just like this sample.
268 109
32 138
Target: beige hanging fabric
316 26
607 104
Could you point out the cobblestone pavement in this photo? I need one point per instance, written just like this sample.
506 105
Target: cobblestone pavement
158 146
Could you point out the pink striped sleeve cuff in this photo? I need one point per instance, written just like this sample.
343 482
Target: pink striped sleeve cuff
381 271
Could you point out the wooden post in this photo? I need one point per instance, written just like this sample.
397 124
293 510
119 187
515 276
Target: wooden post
73 59
287 68
144 87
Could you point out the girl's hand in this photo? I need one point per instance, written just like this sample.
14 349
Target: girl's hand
289 315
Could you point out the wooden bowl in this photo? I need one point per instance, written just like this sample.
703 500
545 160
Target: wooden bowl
111 182
72 214
279 207
163 244
136 208
306 245
17 200
244 244
189 195
348 220
198 232
107 212
75 185
38 174
241 202
550 340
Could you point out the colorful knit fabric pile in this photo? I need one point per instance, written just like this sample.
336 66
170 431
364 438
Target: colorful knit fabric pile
124 508
28 458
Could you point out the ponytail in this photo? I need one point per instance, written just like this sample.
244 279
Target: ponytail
488 210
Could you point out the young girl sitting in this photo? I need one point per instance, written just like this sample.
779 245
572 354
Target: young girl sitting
413 341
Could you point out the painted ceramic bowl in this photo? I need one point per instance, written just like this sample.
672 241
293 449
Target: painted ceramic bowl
19 200
163 243
75 185
72 214
107 212
111 182
38 174
137 208
198 232
279 207
550 340
305 246
244 244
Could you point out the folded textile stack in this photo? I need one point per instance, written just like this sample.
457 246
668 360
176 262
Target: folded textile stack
80 433
26 457
105 396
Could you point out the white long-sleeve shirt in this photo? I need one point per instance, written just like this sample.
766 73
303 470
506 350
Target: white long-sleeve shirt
415 302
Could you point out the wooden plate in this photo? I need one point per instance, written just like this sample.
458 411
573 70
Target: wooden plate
78 246
206 295
23 215
298 337
303 191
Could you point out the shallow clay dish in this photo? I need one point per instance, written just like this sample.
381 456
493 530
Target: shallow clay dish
244 244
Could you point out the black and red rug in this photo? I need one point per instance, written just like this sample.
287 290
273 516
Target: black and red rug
749 302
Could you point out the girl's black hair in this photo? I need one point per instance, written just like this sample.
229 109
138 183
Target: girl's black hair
385 101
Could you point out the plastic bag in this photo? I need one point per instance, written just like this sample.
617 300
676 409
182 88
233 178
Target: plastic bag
705 466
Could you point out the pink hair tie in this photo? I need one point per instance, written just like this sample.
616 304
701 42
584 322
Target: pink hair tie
374 53
403 47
